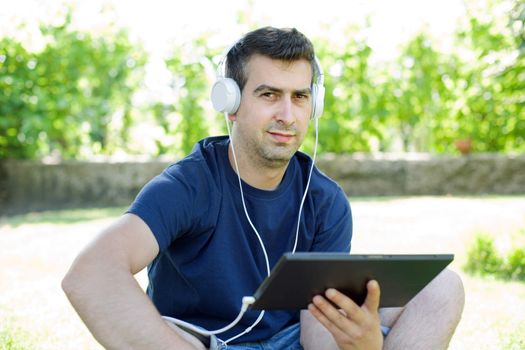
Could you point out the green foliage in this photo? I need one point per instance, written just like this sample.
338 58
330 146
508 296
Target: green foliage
514 339
484 259
61 217
427 99
516 264
12 338
418 109
62 98
74 98
189 67
346 125
491 101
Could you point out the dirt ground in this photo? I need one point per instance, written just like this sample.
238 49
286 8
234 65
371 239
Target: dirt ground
35 256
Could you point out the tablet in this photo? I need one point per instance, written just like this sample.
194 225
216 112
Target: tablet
297 278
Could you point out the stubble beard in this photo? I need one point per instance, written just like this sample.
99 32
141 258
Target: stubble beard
266 153
275 155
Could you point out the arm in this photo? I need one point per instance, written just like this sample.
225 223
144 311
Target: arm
350 326
101 287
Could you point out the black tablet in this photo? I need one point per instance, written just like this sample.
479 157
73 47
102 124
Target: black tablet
297 278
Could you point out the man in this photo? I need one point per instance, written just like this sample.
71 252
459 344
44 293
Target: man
209 238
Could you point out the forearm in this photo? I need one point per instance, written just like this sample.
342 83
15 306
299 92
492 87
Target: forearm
115 309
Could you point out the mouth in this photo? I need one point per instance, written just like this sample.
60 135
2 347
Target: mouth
281 136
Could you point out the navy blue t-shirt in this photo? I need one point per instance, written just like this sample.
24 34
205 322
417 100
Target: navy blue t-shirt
210 256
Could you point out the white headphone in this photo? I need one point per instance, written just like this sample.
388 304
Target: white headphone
226 95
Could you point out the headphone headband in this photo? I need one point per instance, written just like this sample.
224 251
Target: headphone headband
226 95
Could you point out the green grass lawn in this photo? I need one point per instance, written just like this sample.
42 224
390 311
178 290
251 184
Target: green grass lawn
36 250
13 338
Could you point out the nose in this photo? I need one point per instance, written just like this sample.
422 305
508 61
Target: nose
285 111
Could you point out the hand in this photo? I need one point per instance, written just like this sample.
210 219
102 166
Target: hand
352 326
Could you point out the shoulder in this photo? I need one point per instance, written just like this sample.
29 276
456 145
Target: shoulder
191 180
328 200
203 164
321 185
181 199
331 209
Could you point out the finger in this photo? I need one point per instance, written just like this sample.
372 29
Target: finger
350 308
342 320
373 296
337 333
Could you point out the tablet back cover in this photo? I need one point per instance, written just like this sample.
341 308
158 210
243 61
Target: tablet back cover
297 278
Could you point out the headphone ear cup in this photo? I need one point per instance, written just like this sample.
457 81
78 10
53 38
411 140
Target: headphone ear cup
318 99
225 96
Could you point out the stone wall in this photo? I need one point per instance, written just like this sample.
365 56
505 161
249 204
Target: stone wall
427 175
33 186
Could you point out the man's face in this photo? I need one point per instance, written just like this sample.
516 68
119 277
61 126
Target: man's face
275 108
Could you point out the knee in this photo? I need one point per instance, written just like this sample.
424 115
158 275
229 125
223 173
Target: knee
455 285
448 294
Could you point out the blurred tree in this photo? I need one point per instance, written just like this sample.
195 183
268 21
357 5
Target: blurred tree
189 65
491 80
62 99
418 103
16 66
354 104
75 96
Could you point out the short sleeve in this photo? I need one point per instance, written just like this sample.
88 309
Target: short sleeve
173 204
334 233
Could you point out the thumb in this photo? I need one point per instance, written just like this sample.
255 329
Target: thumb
372 296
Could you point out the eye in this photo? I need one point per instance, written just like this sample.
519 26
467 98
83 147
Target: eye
302 97
269 95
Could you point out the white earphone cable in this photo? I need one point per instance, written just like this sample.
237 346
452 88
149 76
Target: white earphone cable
307 184
242 197
248 300
247 330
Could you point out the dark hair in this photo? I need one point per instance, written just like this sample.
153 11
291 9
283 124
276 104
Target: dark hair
287 44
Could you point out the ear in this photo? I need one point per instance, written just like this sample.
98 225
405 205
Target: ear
232 117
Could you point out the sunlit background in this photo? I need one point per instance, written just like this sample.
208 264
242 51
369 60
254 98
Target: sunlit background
162 23
403 76
105 81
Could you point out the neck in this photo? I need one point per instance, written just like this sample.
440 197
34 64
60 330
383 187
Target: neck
256 174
